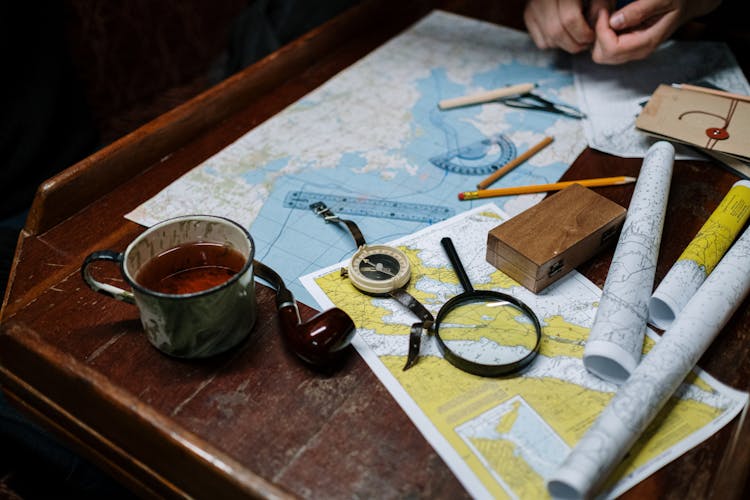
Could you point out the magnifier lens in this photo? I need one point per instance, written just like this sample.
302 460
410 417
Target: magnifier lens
487 330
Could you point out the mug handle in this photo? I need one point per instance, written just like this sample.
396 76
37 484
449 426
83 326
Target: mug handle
103 288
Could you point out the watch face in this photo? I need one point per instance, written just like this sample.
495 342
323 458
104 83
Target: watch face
379 269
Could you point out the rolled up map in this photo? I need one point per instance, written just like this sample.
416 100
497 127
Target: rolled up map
700 256
656 378
615 341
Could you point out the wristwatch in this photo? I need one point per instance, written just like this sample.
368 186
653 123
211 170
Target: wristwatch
374 269
381 270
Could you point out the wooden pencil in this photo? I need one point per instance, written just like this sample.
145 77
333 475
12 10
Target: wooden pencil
541 188
514 162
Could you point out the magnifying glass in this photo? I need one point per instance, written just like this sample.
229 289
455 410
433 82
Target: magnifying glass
484 332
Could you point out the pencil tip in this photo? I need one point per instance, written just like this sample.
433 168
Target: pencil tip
460 196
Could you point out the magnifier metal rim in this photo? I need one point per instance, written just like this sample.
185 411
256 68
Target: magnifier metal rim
482 369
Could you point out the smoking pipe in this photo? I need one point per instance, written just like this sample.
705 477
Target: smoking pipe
319 341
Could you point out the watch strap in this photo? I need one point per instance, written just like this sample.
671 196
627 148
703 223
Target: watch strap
415 333
415 341
407 300
322 209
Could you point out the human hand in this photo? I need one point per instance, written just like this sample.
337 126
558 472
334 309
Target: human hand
636 30
561 23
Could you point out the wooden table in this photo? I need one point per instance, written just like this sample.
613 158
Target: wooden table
255 421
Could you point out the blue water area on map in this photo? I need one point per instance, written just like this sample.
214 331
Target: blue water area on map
433 132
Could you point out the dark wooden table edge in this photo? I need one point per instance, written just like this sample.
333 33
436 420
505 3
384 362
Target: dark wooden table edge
82 184
133 429
113 165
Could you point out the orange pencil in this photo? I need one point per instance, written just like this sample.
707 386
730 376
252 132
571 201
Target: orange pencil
515 162
541 188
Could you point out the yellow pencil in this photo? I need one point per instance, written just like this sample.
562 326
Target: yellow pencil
514 163
541 188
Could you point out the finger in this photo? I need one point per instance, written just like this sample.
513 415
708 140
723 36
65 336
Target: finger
557 34
543 21
535 31
606 46
536 35
630 46
594 7
639 44
574 22
636 13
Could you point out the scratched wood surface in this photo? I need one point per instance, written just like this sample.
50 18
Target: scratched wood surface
254 421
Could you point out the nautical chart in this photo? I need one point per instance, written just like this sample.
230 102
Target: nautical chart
504 437
373 142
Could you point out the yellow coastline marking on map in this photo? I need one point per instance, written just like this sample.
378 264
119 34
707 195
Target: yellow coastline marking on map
450 397
721 228
453 397
501 279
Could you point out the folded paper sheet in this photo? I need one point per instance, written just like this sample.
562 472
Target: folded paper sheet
719 123
657 377
616 338
701 256
613 96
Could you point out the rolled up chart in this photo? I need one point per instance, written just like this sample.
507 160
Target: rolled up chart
700 256
656 378
615 341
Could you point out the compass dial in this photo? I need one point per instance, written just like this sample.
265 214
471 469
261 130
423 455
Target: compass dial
378 269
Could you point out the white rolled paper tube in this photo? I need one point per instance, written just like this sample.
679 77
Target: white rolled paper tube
615 341
656 378
700 256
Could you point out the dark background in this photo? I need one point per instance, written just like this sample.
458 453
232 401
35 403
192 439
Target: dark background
78 75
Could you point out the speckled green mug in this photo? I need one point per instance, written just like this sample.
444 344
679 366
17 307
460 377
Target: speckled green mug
191 325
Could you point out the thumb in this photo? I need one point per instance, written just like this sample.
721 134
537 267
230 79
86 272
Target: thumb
595 6
634 14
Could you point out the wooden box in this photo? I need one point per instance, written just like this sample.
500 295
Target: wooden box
542 244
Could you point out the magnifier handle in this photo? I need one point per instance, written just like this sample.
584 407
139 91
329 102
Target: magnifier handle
456 263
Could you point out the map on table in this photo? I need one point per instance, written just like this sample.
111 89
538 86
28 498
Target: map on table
372 143
503 437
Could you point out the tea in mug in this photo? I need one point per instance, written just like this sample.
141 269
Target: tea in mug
190 268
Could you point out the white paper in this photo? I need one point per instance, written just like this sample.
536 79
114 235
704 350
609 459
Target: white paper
616 338
612 96
657 377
